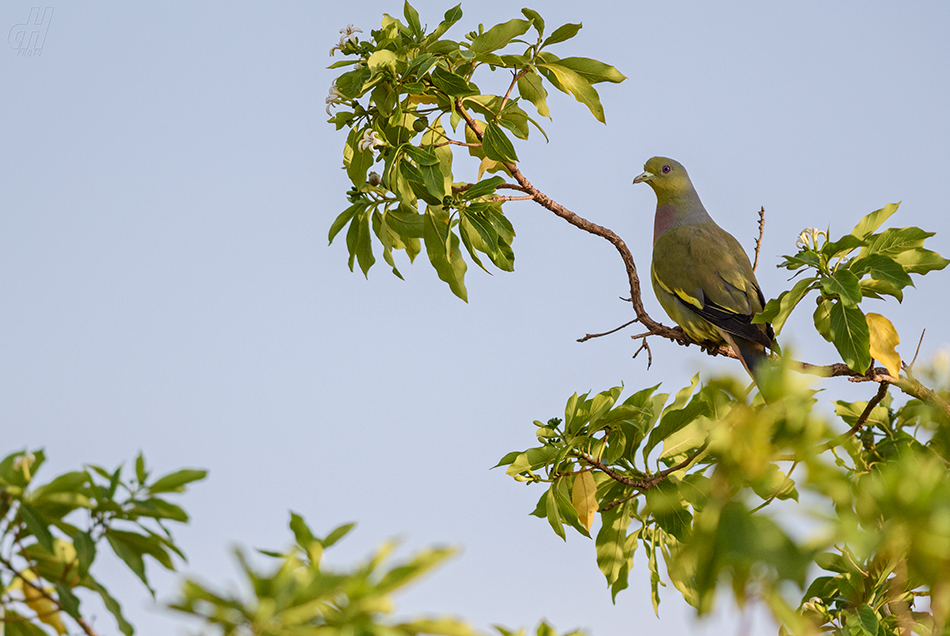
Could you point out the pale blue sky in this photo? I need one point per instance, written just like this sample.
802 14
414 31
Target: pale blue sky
168 180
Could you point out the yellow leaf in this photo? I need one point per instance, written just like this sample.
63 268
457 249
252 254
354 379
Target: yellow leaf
490 165
45 608
883 340
422 99
584 498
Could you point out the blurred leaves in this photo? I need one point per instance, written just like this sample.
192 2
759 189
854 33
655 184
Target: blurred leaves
296 593
690 479
45 557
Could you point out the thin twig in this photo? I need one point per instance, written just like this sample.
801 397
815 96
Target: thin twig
606 333
866 413
514 80
862 419
505 186
645 345
917 353
452 142
788 479
524 198
641 484
758 241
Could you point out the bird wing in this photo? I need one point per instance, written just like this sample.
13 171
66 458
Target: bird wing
704 267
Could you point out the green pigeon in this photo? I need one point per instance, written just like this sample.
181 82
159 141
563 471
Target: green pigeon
701 275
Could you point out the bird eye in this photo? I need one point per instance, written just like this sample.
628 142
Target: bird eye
666 169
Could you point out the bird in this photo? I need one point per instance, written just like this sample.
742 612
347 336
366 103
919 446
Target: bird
701 275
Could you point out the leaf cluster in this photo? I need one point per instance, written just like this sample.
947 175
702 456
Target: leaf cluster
300 595
843 279
404 90
685 480
51 533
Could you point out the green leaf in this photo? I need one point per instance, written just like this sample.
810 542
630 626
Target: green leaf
430 169
350 84
478 234
675 416
611 543
381 59
443 249
872 221
823 319
867 620
111 604
536 18
140 474
451 16
130 555
571 82
345 217
920 261
159 509
338 533
553 514
37 526
301 530
844 285
882 268
531 88
562 33
593 71
893 241
485 187
842 246
805 258
778 310
497 146
873 288
499 35
72 482
67 600
849 333
666 506
418 566
85 551
176 481
530 460
412 18
451 84
15 624
690 436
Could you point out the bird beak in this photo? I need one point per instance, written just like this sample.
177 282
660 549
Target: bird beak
643 178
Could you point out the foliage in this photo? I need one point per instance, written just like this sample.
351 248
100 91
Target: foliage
52 533
301 595
707 481
882 267
686 479
404 89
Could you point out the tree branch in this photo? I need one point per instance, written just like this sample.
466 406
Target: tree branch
640 484
907 385
606 333
758 241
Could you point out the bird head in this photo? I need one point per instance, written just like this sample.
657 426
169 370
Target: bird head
666 176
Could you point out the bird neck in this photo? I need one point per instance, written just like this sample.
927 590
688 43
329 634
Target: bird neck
682 210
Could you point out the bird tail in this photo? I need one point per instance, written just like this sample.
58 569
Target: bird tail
752 355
